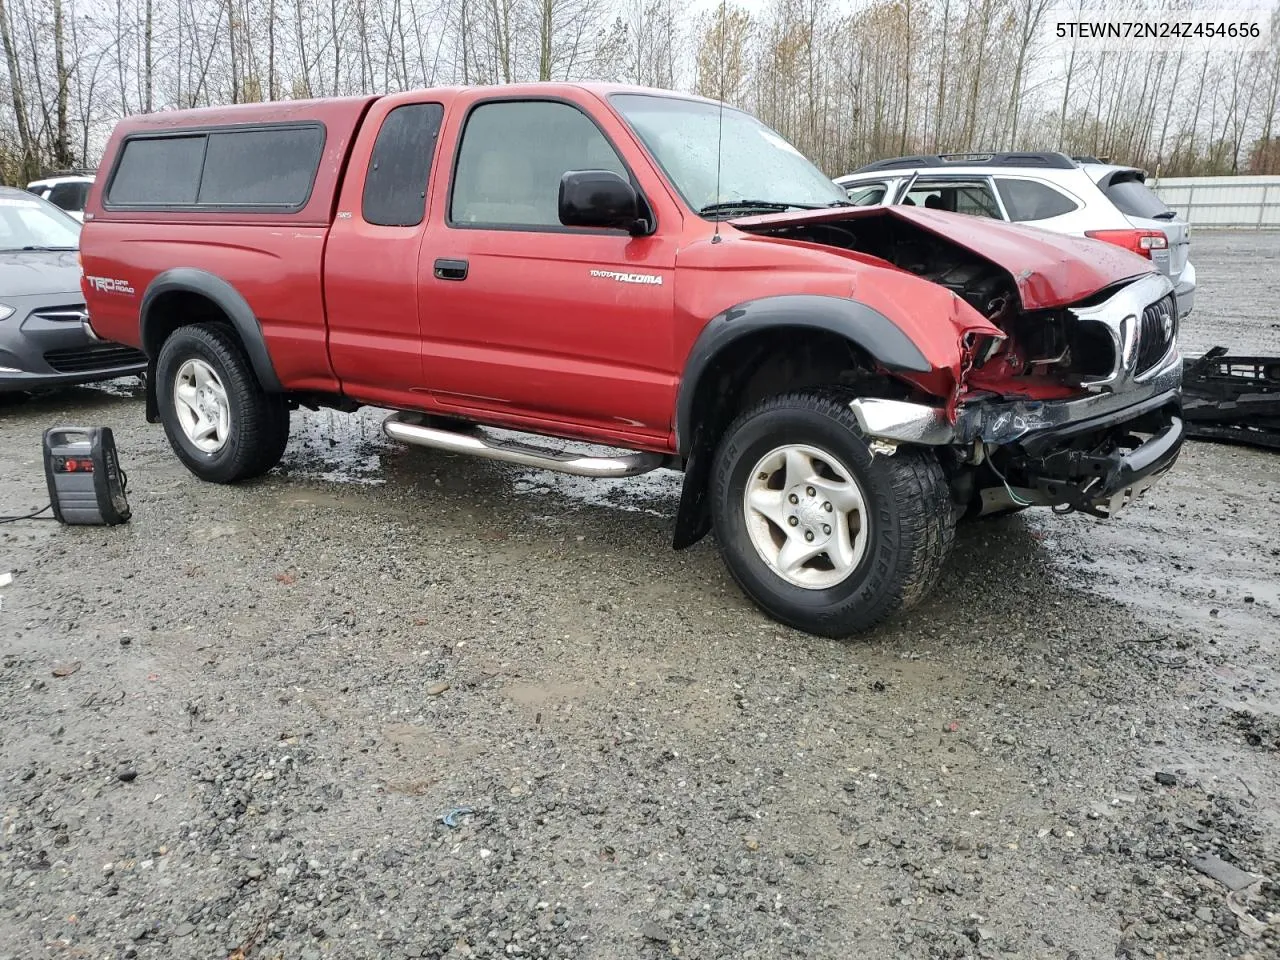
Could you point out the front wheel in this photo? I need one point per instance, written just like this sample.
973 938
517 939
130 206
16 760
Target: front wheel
219 420
821 532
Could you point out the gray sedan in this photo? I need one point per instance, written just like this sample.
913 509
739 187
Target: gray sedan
44 338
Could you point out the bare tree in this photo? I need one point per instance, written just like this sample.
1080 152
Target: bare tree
846 84
62 156
721 67
1029 16
653 45
148 63
29 160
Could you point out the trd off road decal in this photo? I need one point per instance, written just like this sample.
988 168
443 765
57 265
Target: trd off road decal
650 279
110 285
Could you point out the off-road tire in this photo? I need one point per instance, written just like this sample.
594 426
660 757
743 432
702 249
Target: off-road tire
911 515
259 420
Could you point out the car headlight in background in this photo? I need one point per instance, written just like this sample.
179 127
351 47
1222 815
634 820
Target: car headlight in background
5 311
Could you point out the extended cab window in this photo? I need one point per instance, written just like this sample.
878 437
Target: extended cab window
512 157
395 187
262 167
1027 200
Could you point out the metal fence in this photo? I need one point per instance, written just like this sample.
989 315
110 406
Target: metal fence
1251 202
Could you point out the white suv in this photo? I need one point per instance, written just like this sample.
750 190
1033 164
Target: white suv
1076 195
68 191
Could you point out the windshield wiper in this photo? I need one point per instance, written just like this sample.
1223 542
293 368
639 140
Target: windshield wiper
1165 215
42 249
774 206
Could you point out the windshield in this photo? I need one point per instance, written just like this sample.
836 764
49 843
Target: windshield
35 224
757 164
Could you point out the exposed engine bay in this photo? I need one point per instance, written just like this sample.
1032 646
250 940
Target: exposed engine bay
1075 407
1045 345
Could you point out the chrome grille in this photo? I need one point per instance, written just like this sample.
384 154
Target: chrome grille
72 313
1156 332
1122 316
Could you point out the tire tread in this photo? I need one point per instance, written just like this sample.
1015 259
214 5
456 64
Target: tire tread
261 430
926 529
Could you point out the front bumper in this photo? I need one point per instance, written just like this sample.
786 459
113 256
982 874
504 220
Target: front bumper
993 422
1016 420
52 344
1097 467
1095 453
20 381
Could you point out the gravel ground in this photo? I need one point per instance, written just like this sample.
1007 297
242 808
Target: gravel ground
236 728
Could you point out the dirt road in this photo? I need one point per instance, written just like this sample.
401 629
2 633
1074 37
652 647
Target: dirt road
391 703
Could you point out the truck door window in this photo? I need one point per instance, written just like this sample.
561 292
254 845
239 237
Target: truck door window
511 159
395 187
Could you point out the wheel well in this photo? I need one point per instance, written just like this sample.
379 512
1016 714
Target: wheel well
751 368
166 313
772 362
177 308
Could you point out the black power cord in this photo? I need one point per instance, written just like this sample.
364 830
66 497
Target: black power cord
30 516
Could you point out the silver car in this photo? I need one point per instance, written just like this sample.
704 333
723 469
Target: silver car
44 337
1081 196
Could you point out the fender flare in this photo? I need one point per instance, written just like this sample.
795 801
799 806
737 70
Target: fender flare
228 299
882 339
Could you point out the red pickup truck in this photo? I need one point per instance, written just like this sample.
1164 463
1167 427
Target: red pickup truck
642 270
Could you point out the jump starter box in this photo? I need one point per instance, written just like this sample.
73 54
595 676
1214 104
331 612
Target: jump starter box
86 484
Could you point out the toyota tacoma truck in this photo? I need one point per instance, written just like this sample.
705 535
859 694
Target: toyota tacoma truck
648 272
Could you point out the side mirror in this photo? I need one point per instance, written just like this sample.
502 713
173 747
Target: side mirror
600 198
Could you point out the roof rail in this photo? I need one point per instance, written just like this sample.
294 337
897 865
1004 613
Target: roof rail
1059 161
73 172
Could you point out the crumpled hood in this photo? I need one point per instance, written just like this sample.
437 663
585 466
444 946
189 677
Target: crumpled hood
1049 269
29 273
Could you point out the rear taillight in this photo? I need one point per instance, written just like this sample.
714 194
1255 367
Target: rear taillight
1141 242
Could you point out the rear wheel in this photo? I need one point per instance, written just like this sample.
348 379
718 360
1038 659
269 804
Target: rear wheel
219 420
822 533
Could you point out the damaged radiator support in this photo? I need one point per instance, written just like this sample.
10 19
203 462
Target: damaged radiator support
1232 399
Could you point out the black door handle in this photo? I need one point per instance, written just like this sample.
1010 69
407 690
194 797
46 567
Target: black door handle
451 269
